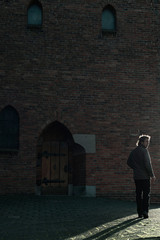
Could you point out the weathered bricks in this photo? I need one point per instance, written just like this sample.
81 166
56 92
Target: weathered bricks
67 71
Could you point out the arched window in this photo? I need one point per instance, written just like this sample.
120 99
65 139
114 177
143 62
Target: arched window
35 14
109 19
9 129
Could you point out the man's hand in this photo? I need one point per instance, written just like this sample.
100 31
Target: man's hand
153 178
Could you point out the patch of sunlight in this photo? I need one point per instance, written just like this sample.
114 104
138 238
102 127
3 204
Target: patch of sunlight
108 230
126 228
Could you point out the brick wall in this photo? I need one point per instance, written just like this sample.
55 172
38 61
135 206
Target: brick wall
93 84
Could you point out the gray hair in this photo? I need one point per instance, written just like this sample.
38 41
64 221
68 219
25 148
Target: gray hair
142 138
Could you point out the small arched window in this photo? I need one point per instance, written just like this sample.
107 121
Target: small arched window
109 19
35 14
9 129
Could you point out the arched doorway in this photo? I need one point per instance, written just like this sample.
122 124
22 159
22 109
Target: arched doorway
54 162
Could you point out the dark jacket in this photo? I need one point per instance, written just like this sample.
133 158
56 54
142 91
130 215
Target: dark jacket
139 160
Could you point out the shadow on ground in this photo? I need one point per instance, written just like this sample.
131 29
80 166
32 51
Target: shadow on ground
113 230
60 218
150 238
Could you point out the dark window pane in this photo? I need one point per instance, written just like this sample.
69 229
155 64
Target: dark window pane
9 128
34 15
108 20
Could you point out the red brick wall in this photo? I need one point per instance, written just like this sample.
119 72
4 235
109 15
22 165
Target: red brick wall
93 84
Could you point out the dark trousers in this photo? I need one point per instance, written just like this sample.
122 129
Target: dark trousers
142 195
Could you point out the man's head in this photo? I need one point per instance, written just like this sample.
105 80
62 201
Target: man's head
143 140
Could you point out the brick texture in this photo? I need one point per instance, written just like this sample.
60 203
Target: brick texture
68 71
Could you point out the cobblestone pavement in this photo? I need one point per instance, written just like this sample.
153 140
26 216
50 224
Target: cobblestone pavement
74 218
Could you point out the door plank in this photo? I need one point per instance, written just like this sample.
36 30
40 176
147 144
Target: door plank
45 162
55 163
64 164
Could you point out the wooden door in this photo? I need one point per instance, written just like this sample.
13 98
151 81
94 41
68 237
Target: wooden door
55 168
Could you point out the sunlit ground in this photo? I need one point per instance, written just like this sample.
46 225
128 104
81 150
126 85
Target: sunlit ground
74 218
126 228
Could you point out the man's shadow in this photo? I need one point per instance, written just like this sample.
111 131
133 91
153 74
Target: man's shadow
104 234
150 238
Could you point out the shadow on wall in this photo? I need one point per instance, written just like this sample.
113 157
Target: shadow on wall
79 169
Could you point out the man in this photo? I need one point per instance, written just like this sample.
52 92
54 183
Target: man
139 160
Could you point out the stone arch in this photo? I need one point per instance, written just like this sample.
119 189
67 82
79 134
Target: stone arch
66 167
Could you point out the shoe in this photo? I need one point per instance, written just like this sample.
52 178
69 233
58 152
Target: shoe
145 214
140 216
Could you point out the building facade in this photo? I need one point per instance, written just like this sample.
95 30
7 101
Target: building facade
79 82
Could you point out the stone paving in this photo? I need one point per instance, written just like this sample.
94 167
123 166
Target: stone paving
74 218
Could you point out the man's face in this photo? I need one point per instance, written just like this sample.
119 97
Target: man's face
146 142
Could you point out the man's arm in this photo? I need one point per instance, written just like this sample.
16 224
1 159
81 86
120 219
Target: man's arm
147 162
